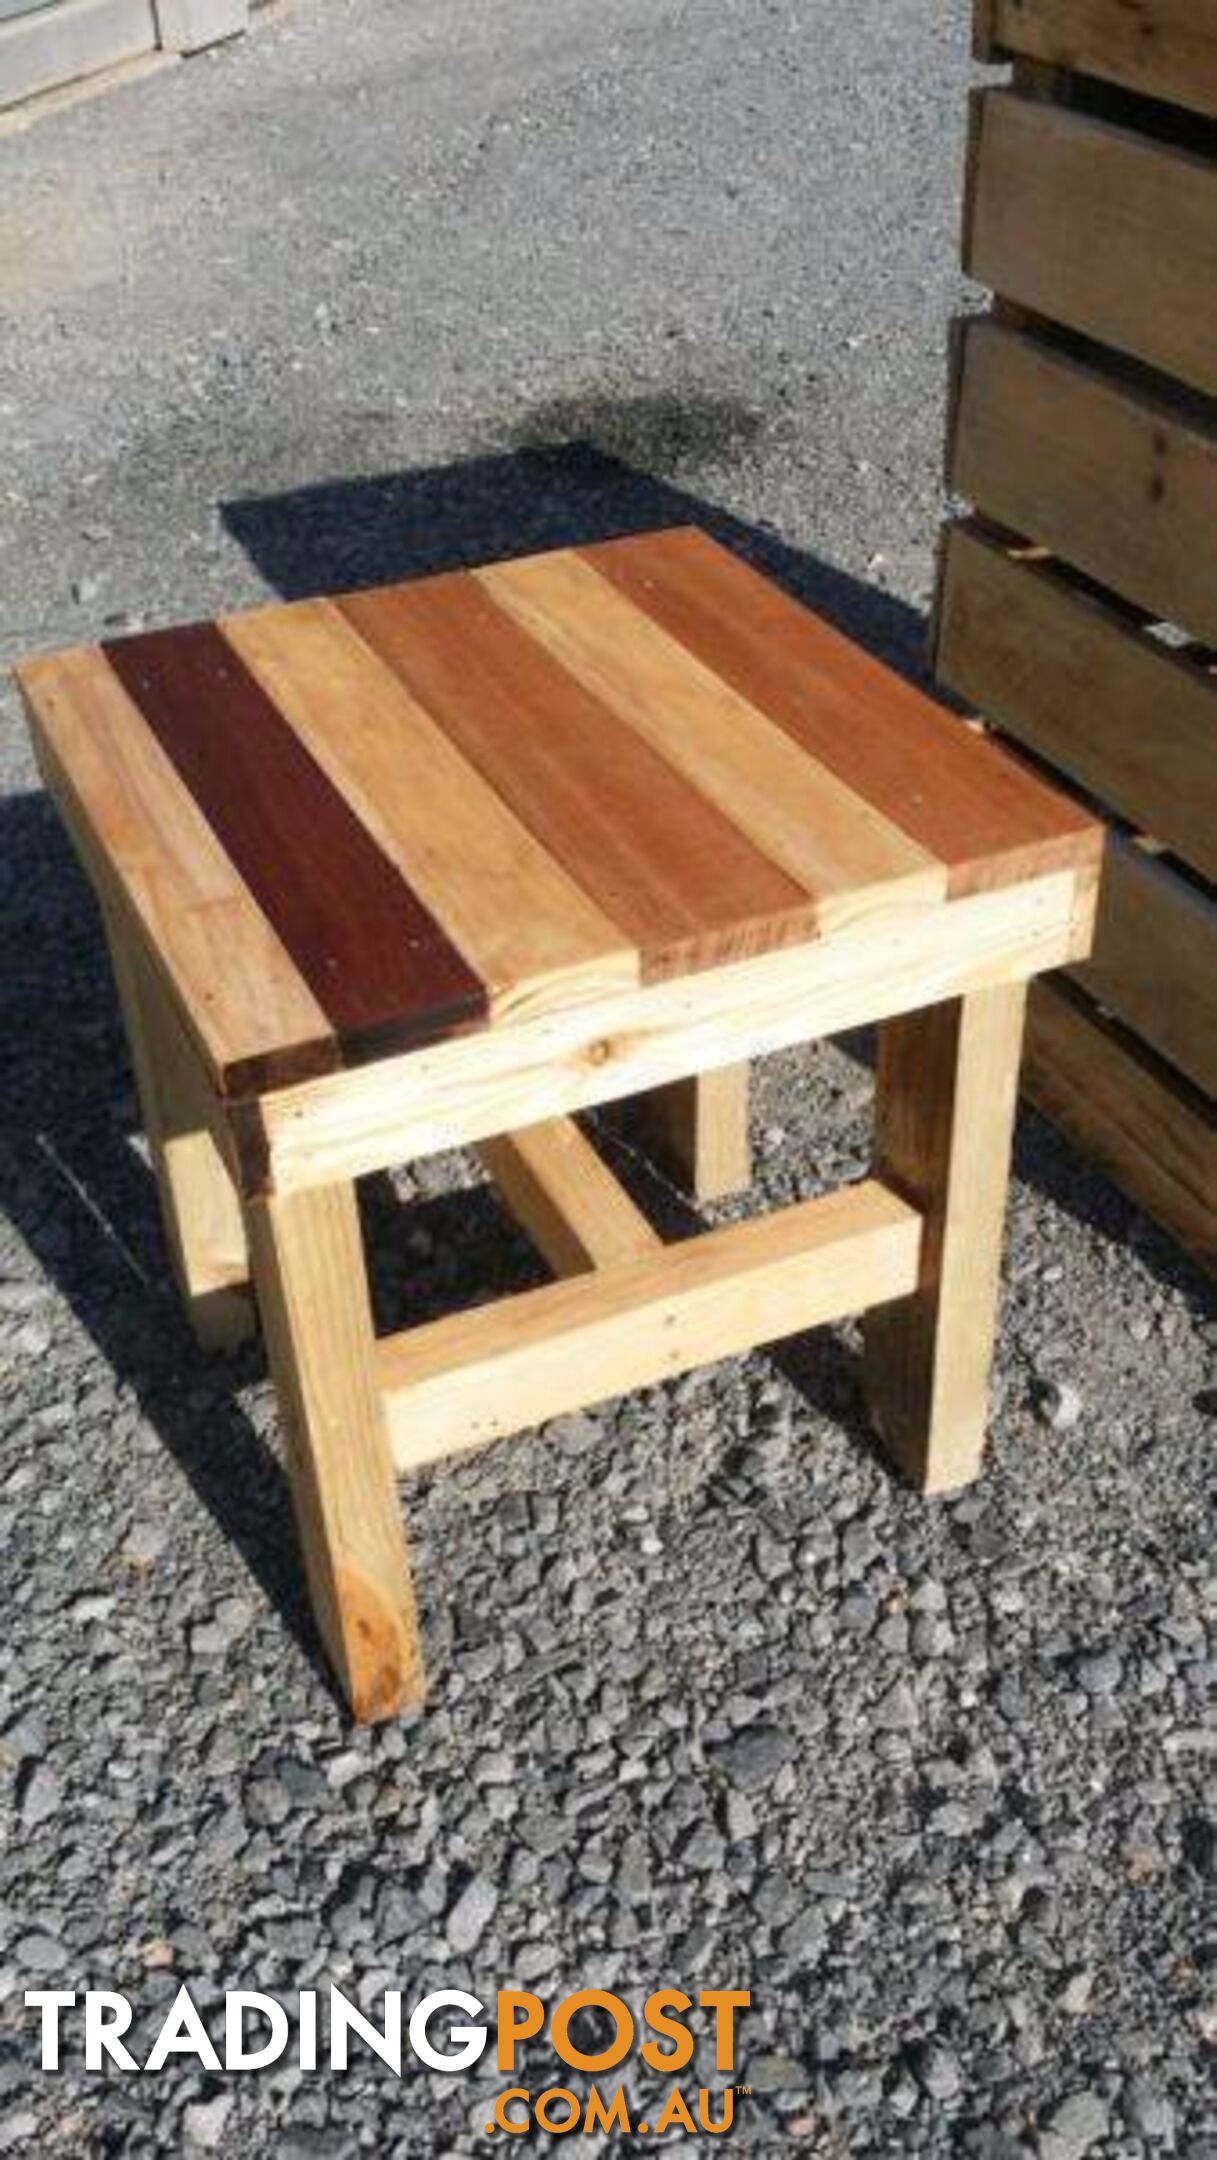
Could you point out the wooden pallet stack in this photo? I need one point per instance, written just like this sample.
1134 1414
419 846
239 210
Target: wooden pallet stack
1078 600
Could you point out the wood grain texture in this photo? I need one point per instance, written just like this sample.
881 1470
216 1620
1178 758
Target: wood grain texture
341 831
1098 228
946 1089
374 957
1155 959
985 818
684 885
153 857
204 1227
463 1381
700 1128
1151 1132
312 1291
1073 679
1163 48
567 1200
846 854
1120 484
469 1089
522 925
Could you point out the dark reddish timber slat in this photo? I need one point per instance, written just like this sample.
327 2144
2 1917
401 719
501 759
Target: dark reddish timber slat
960 797
375 959
671 870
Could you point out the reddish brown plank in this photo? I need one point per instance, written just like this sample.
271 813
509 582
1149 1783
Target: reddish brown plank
676 875
980 813
377 962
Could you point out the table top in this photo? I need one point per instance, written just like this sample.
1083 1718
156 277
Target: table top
348 826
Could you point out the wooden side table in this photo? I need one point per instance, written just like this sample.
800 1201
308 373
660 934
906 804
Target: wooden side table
452 861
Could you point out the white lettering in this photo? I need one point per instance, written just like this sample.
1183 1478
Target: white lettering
238 2055
50 2001
106 2016
308 2028
345 2017
470 2040
183 2033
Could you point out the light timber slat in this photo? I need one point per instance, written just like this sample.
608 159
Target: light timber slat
520 920
463 1381
575 1211
1119 1103
1118 483
946 1089
1098 228
190 1104
702 1124
1155 959
202 1216
821 832
466 1090
312 1290
1121 714
153 856
1163 48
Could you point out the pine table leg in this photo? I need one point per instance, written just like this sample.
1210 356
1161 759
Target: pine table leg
199 1205
702 1124
312 1289
946 1092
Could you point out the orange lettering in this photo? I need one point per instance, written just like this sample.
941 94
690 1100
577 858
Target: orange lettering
592 1999
616 2116
675 2110
541 2111
513 2029
716 2129
655 2011
501 2116
724 2002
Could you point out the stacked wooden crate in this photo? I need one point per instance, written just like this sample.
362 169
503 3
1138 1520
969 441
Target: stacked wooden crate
1078 600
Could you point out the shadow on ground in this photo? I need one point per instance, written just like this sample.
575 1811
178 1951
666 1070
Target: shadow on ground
83 1197
563 491
70 1177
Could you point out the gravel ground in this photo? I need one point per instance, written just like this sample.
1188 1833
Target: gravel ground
715 1702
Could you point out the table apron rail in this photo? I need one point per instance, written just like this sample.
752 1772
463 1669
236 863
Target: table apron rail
352 1123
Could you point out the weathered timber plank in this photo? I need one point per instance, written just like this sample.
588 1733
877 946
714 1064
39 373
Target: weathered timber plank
1121 484
1163 48
1152 1133
1079 684
1098 228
